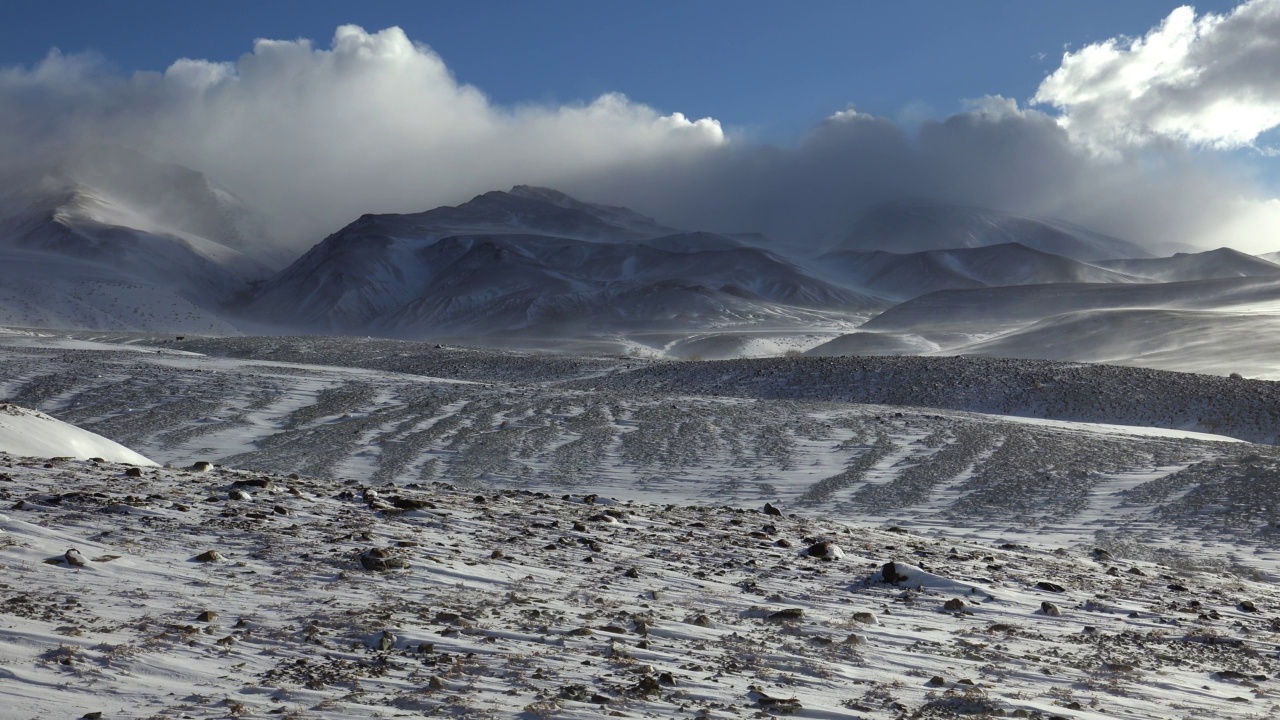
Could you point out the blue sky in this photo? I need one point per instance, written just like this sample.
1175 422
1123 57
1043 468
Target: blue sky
771 69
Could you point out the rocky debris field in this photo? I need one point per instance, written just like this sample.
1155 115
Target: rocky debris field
557 425
229 593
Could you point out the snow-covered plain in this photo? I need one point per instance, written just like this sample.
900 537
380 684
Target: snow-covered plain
405 529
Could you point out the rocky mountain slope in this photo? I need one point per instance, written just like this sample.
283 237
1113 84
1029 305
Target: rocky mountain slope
533 260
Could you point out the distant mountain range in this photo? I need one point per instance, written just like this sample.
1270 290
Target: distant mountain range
117 241
916 225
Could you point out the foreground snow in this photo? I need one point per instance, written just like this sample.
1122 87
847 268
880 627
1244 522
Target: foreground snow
329 599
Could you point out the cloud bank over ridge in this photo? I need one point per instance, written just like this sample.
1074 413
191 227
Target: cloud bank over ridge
375 122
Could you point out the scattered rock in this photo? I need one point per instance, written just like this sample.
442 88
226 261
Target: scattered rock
773 704
238 494
207 616
1050 609
865 618
74 558
201 466
889 573
825 550
953 605
387 640
132 472
1050 587
769 509
208 556
381 560
786 614
1248 606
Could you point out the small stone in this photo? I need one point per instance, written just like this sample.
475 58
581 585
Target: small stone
786 614
496 555
1050 609
632 573
937 681
1248 606
239 494
865 618
387 641
953 605
207 616
201 466
889 573
74 558
208 556
769 509
1050 587
825 550
132 472
702 621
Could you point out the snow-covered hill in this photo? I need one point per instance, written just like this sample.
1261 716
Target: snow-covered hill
30 433
1190 341
1208 265
917 225
904 276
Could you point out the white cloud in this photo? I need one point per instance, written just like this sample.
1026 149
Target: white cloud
374 123
1208 81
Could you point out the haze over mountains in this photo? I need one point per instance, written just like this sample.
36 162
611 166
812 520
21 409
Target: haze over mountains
115 241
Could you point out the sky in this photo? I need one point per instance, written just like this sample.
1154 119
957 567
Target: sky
769 68
1141 118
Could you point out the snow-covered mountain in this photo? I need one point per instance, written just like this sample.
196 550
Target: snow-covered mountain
537 261
151 241
1208 265
915 225
902 276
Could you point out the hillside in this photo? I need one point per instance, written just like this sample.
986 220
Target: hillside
399 527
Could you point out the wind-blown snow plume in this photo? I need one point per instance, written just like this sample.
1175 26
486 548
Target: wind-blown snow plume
375 123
